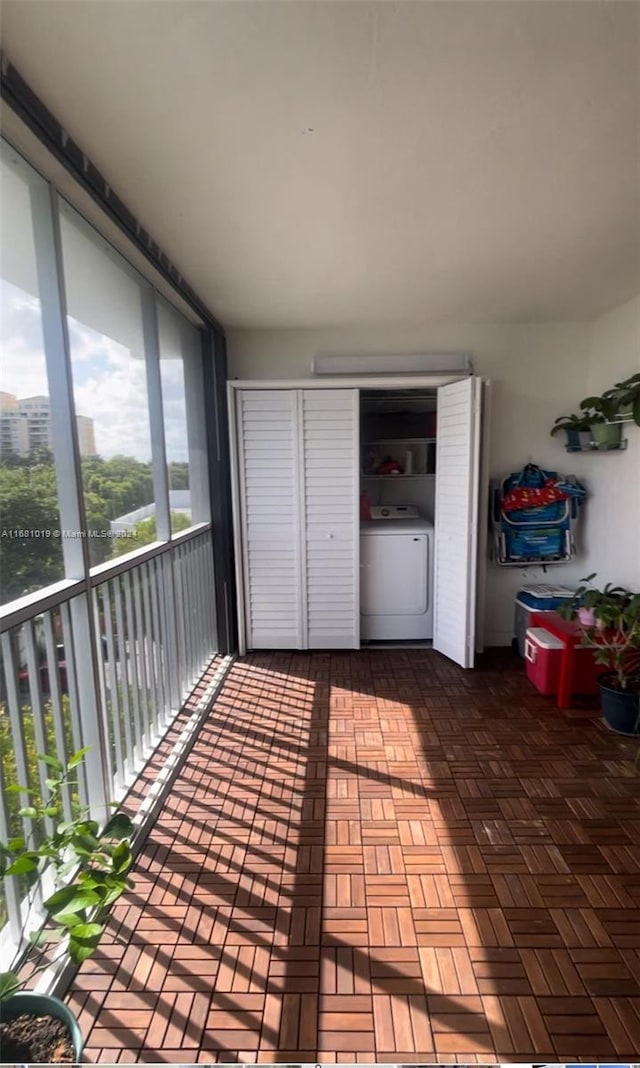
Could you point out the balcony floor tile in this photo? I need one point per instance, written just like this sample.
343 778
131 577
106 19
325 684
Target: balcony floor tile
378 856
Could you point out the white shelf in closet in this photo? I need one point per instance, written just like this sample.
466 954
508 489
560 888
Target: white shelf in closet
398 441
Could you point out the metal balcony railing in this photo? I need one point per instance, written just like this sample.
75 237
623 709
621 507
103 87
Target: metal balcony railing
106 664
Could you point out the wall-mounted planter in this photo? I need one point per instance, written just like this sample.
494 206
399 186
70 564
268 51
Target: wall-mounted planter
607 434
594 447
577 431
578 440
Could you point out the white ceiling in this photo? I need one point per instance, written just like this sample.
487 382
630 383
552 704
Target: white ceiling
354 163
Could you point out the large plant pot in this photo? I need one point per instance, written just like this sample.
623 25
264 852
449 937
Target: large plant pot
620 708
607 433
42 1005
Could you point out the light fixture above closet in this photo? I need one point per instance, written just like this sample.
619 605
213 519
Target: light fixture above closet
418 364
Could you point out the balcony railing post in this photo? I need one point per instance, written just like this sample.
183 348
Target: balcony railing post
113 707
169 606
127 697
93 729
74 698
132 667
11 889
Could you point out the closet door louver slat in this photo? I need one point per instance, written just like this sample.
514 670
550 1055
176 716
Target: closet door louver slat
331 519
269 491
456 520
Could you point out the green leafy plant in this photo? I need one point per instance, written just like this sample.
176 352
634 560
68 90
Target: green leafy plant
89 867
622 396
614 634
602 409
627 395
571 422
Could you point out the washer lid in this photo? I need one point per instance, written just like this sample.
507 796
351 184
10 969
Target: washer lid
396 526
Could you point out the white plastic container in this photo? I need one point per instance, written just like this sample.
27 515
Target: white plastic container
536 597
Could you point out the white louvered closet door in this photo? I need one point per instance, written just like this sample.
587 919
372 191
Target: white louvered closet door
330 420
268 462
456 520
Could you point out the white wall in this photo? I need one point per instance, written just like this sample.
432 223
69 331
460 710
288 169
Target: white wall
537 373
613 531
533 371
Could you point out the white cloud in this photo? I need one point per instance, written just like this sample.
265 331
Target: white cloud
112 392
109 383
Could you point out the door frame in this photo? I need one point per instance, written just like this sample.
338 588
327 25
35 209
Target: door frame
236 509
358 382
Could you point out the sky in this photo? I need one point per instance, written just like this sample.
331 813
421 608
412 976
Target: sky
109 382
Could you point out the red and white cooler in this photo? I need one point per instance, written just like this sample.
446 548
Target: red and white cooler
543 653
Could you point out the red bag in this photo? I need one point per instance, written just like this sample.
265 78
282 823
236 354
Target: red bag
533 497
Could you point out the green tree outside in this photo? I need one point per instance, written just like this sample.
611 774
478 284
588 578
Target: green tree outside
29 502
178 476
145 533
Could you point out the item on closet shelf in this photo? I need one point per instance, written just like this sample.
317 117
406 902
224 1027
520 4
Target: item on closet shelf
365 507
390 467
408 462
370 462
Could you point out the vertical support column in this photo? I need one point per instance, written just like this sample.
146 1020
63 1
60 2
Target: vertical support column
64 432
48 247
196 424
156 420
217 422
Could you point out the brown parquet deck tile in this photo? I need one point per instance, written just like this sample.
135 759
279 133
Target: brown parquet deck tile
376 856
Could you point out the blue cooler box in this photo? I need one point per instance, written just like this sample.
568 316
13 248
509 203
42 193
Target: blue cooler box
536 598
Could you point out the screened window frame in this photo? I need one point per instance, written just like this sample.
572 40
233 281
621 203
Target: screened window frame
196 428
46 209
172 581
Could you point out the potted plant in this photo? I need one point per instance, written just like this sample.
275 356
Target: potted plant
88 871
627 398
576 428
621 401
610 621
604 430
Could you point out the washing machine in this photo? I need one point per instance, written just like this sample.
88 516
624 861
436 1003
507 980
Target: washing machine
396 575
